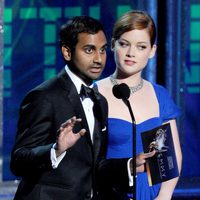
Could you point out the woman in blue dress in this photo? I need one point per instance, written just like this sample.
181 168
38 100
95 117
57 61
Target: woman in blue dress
133 44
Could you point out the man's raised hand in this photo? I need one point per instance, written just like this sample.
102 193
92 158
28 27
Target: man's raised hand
66 137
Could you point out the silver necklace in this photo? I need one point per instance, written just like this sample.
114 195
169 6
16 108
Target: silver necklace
132 89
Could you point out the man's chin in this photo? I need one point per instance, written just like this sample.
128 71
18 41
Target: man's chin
94 75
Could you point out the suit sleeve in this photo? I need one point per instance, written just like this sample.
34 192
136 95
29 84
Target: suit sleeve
31 152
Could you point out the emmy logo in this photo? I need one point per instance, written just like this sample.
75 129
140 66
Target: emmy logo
158 142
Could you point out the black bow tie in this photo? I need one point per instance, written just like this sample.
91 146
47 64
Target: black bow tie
87 92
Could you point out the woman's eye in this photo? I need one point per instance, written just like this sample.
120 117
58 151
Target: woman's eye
123 44
141 47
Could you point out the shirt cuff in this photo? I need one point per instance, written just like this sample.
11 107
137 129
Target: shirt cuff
55 161
129 173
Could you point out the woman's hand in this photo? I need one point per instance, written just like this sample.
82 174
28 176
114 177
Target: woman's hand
140 161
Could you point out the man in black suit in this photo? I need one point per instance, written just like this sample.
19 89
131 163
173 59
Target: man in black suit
60 139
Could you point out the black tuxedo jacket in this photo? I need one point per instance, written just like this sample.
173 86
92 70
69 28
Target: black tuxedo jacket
42 112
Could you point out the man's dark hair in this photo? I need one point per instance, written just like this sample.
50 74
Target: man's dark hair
80 24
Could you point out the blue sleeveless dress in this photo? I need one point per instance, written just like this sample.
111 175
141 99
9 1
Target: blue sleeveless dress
120 139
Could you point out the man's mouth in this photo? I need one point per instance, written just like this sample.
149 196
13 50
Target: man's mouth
96 69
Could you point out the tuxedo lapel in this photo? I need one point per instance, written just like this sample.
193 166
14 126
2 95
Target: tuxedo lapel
72 95
78 108
101 110
100 113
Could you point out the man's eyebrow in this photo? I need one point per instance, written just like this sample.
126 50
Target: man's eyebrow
93 46
89 45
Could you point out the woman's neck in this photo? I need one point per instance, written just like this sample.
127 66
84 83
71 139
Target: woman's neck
130 80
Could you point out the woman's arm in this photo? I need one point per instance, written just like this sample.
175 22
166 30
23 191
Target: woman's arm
167 188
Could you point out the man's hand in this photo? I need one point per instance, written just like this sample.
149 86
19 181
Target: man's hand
66 138
140 161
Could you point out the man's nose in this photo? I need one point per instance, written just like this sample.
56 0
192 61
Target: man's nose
98 57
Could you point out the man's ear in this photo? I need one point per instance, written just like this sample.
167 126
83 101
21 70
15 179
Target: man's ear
153 51
66 51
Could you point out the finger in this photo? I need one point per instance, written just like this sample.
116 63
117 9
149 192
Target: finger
72 121
140 162
78 119
82 132
150 154
75 120
69 122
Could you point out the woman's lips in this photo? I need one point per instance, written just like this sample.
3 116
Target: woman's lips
129 62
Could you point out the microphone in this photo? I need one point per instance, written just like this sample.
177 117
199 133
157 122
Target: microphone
121 91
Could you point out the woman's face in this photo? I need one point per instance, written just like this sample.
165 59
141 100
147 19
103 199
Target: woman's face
132 51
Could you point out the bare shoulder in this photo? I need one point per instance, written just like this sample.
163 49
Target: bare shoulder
103 81
104 84
148 86
147 83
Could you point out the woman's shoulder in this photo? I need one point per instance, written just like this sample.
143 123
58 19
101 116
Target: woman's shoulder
168 108
159 89
104 85
102 82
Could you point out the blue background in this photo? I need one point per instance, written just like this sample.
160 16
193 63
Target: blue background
31 55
